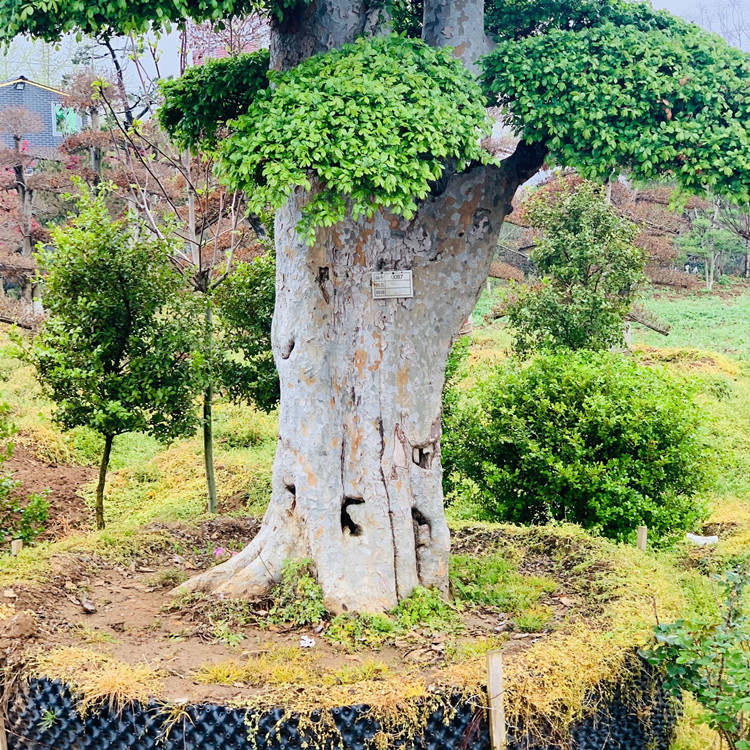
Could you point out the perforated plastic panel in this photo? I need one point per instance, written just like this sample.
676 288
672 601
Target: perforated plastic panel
43 716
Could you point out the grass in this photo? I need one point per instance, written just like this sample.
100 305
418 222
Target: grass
280 665
702 321
424 609
166 579
368 671
692 732
118 546
91 635
534 619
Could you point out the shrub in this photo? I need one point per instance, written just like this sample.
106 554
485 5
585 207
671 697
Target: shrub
423 608
709 657
21 522
590 438
589 272
360 630
451 399
426 608
114 352
245 303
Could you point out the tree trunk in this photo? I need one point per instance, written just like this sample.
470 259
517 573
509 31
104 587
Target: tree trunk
309 28
27 297
208 431
95 152
120 83
37 304
710 270
458 24
24 200
102 480
357 480
208 447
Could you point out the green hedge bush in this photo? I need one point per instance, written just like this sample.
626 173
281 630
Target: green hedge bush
585 437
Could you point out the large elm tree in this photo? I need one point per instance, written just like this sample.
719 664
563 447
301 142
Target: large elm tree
365 145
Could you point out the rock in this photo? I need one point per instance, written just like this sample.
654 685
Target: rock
419 654
180 560
306 642
565 601
88 606
22 625
10 594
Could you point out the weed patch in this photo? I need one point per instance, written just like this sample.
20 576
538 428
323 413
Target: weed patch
495 581
298 598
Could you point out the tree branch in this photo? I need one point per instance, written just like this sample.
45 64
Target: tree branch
523 163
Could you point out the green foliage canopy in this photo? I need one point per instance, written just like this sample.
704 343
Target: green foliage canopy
584 437
207 96
245 303
114 351
706 237
517 19
644 91
372 124
589 269
52 19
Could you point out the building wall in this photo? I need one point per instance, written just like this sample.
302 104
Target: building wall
38 100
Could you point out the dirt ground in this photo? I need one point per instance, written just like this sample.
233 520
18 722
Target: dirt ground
67 510
126 611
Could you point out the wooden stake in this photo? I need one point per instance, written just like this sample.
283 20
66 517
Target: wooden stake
498 732
4 698
642 538
16 546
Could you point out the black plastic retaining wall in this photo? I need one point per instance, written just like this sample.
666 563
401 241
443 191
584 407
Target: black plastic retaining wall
43 716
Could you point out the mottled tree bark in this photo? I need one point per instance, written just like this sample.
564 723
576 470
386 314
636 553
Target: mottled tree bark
357 480
458 24
319 26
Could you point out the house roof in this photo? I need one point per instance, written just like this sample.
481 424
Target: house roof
23 79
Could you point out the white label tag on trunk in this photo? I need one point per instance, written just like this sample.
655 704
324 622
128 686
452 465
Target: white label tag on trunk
389 284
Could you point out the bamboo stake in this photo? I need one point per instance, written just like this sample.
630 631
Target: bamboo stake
498 732
642 538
